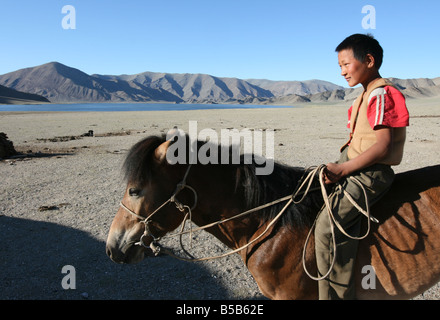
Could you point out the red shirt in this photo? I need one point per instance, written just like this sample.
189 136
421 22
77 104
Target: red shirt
386 107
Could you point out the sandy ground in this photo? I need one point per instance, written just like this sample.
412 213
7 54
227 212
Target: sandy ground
81 179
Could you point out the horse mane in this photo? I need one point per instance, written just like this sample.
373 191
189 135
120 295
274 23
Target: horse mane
257 190
138 165
284 180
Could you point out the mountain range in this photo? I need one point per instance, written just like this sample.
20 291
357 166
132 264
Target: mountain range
11 96
63 84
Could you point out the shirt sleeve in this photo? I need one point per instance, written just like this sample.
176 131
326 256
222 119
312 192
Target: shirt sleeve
349 117
387 107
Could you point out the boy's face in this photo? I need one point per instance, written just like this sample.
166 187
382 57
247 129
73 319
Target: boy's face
353 70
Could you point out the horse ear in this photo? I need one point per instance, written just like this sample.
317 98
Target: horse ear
161 151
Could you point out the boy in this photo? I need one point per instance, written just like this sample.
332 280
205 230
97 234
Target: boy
377 122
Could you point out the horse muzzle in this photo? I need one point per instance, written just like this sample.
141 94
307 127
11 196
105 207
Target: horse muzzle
129 252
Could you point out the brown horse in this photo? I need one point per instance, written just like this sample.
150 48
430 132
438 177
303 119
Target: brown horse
403 248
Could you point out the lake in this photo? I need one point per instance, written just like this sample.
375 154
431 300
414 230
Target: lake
106 107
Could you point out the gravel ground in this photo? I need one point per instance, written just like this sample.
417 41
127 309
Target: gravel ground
57 203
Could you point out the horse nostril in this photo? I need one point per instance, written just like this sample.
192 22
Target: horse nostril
114 254
108 251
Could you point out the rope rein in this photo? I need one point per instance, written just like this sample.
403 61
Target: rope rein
306 183
334 222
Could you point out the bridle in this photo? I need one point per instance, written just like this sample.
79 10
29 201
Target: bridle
156 248
173 199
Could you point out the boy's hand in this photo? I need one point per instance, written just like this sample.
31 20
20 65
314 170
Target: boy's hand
333 173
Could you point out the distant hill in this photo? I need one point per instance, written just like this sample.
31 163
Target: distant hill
418 88
62 84
11 96
301 88
188 87
411 89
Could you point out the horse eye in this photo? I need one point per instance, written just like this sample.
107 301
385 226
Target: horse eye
134 192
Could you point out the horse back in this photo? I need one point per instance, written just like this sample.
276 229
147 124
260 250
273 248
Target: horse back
404 247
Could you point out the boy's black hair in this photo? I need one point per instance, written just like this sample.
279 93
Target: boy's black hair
363 44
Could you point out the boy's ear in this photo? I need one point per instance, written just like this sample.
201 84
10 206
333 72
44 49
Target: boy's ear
370 61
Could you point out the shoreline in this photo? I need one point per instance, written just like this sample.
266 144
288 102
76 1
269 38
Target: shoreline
138 107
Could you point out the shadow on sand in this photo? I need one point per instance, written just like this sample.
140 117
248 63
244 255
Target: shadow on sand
33 253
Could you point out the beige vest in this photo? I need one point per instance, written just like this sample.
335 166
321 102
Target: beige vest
362 136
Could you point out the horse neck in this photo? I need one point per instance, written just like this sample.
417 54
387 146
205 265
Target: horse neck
218 200
227 191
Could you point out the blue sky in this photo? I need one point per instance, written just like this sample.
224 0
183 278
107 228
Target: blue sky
276 39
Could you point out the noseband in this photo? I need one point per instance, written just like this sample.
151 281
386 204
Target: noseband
173 199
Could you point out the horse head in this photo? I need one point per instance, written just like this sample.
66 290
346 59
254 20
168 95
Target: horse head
151 185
